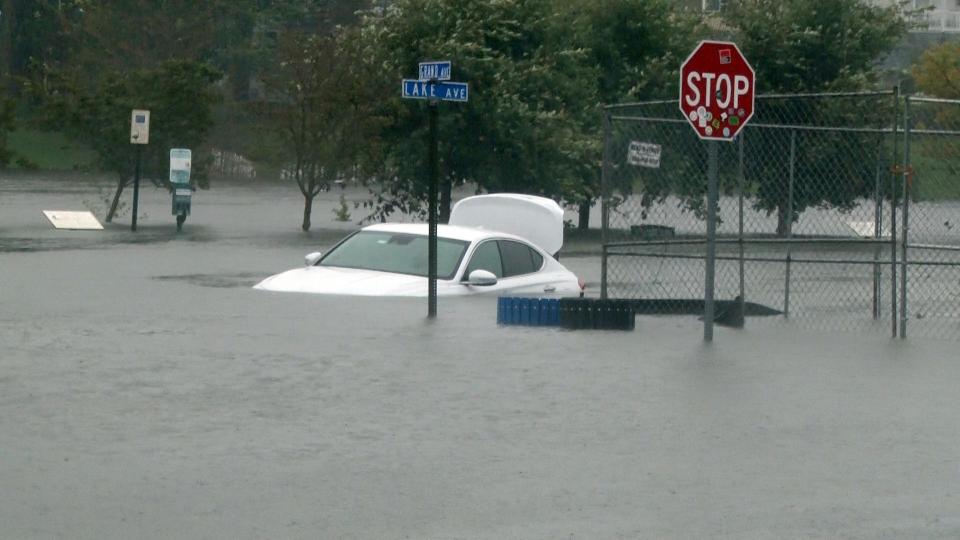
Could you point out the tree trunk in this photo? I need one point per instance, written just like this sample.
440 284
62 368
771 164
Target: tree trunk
583 221
307 209
116 200
446 188
8 26
784 224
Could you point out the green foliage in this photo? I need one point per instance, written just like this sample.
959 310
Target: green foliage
124 35
636 46
521 130
179 94
248 38
51 150
937 74
938 71
321 109
814 45
35 38
806 46
538 72
342 212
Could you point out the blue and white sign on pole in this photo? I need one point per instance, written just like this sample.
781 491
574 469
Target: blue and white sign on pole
444 91
434 86
438 71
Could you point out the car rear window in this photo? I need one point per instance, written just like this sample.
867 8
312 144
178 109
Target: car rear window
519 259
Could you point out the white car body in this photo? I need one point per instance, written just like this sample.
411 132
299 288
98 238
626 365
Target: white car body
551 278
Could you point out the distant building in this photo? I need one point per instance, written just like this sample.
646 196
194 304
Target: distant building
712 6
939 16
945 16
937 22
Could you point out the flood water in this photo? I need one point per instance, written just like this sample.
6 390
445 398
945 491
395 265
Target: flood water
147 392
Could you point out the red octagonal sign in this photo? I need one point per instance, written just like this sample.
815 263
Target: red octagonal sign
716 90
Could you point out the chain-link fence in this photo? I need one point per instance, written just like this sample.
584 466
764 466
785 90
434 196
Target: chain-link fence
813 224
931 300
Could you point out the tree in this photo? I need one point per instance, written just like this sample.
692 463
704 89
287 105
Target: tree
93 62
249 32
42 39
538 73
937 74
7 124
815 45
530 91
320 107
180 95
637 47
802 46
938 71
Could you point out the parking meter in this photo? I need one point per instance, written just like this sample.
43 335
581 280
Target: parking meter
180 183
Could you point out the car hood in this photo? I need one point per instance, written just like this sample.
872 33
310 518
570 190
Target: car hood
348 281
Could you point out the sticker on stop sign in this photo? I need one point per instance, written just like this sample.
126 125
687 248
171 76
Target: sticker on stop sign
716 90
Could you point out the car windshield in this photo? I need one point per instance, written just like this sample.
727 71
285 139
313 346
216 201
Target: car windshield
400 253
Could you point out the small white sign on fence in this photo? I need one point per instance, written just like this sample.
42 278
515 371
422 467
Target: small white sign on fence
643 154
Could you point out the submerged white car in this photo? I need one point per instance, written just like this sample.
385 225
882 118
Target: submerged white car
500 244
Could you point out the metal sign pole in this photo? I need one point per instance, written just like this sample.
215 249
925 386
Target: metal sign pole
136 190
708 309
790 182
716 98
433 85
742 180
605 201
907 173
893 215
139 135
432 206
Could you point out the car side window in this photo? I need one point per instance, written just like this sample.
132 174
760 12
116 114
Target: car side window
537 260
519 259
486 257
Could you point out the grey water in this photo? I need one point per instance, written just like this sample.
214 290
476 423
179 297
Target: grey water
147 392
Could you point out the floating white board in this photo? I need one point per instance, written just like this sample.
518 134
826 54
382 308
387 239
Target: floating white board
70 219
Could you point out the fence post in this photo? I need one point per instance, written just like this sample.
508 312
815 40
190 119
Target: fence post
711 260
907 177
877 231
793 162
604 201
742 181
893 214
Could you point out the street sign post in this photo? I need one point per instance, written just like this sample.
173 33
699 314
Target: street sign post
433 86
716 97
139 136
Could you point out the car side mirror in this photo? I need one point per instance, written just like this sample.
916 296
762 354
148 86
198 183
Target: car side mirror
481 278
312 258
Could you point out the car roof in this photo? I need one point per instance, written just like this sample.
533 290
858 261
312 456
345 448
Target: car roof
453 232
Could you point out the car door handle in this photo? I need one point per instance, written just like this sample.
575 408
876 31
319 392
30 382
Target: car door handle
549 288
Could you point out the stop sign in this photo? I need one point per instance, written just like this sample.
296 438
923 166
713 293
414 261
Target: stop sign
716 90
